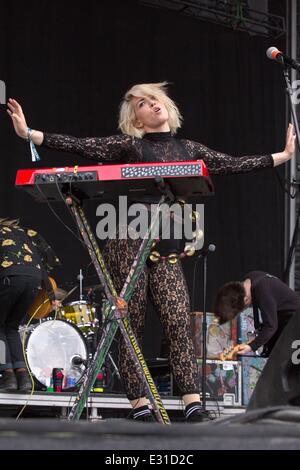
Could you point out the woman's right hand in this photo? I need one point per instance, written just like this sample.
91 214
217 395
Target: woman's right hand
18 119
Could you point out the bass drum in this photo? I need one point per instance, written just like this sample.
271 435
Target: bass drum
54 344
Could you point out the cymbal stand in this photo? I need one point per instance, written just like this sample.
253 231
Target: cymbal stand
80 277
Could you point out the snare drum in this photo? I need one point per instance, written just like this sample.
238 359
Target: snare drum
54 344
80 313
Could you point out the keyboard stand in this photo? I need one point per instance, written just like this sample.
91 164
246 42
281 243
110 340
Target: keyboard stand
115 307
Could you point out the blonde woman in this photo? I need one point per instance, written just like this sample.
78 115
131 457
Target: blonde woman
23 254
149 120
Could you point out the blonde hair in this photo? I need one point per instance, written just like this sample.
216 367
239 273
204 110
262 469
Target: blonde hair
127 118
10 223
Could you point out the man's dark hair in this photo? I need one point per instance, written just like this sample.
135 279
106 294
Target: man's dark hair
229 301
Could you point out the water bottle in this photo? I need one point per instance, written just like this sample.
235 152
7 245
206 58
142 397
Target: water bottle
50 384
71 382
57 379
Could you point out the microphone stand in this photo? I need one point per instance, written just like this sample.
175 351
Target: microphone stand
204 254
289 91
204 332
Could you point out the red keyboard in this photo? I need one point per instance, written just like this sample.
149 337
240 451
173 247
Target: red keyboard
188 178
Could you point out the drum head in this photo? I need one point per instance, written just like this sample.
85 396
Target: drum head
53 344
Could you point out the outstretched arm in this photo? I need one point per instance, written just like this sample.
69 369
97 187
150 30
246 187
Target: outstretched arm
112 148
222 163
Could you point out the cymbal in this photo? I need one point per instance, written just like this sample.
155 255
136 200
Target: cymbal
93 288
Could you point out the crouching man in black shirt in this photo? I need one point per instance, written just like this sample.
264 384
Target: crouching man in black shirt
275 300
25 258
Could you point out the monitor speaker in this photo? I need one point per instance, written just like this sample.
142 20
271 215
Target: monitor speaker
279 383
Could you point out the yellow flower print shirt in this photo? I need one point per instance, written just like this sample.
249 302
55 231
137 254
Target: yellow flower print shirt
21 251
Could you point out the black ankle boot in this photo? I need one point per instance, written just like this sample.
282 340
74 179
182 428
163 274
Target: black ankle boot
23 379
8 382
194 413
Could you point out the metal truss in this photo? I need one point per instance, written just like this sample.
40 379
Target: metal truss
234 14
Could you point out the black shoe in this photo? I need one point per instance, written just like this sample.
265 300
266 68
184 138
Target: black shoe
24 382
8 382
143 413
194 413
199 416
148 418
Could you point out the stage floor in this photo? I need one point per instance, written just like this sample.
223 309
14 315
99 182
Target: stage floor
99 405
266 429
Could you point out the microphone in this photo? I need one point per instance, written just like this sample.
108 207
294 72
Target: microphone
208 249
275 54
77 360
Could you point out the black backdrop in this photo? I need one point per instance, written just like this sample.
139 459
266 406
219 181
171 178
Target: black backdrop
69 65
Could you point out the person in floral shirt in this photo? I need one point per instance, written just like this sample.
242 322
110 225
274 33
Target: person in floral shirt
24 259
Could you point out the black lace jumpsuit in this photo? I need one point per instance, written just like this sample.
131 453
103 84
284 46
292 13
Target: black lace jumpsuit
163 281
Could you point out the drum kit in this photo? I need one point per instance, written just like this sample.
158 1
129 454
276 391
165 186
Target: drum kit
65 338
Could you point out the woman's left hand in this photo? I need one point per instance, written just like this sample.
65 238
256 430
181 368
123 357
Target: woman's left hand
288 152
290 142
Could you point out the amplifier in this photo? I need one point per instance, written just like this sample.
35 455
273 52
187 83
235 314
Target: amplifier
223 381
218 338
252 367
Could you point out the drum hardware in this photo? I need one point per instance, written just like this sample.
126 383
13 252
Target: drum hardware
80 279
115 368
